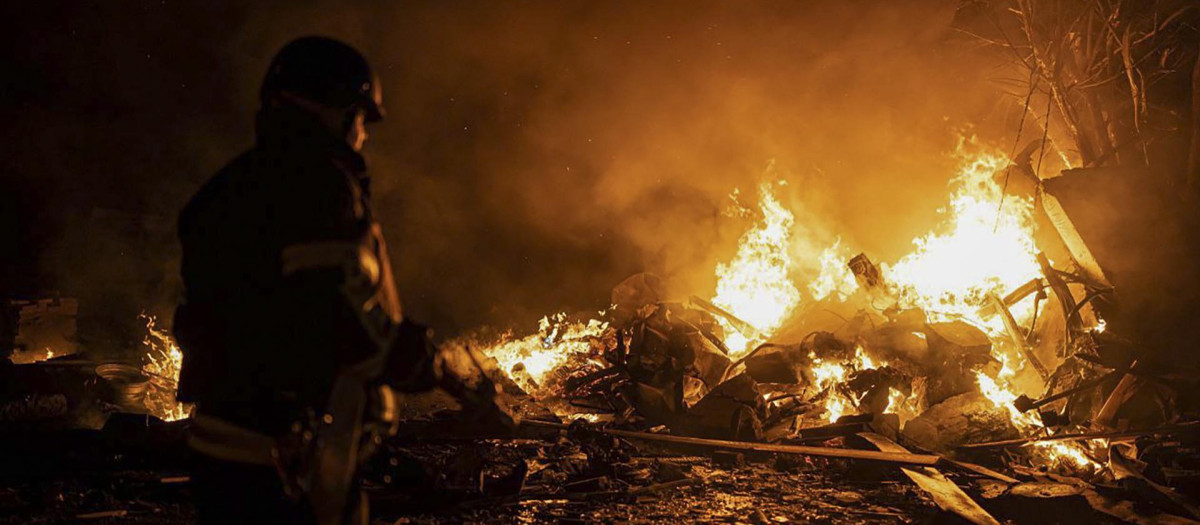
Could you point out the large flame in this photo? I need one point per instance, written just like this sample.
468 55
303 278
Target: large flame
984 248
756 286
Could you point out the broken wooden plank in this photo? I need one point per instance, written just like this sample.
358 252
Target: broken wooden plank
944 492
1024 404
1129 385
1084 259
832 430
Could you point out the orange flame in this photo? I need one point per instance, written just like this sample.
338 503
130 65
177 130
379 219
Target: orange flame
949 275
530 361
755 286
835 277
984 246
163 363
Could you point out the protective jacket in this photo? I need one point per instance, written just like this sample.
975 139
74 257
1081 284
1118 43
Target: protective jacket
287 280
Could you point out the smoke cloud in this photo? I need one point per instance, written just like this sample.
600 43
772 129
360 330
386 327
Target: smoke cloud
535 153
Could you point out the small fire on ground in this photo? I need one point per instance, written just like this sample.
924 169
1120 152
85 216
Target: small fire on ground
163 362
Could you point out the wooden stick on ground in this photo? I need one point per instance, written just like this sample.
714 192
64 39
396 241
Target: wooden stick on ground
895 458
900 458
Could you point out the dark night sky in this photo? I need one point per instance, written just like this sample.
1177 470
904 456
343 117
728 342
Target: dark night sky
535 153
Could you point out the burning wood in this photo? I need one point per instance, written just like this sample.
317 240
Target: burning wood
756 285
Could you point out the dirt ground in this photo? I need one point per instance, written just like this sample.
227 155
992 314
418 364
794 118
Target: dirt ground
754 493
132 474
135 470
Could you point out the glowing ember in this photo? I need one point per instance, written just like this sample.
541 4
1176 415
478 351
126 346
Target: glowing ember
828 376
907 407
755 285
862 361
164 361
895 399
828 373
590 418
531 360
836 405
24 358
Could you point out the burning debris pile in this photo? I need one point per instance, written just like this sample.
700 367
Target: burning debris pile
943 350
978 363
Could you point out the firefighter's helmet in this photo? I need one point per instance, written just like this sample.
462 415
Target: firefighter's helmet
327 72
